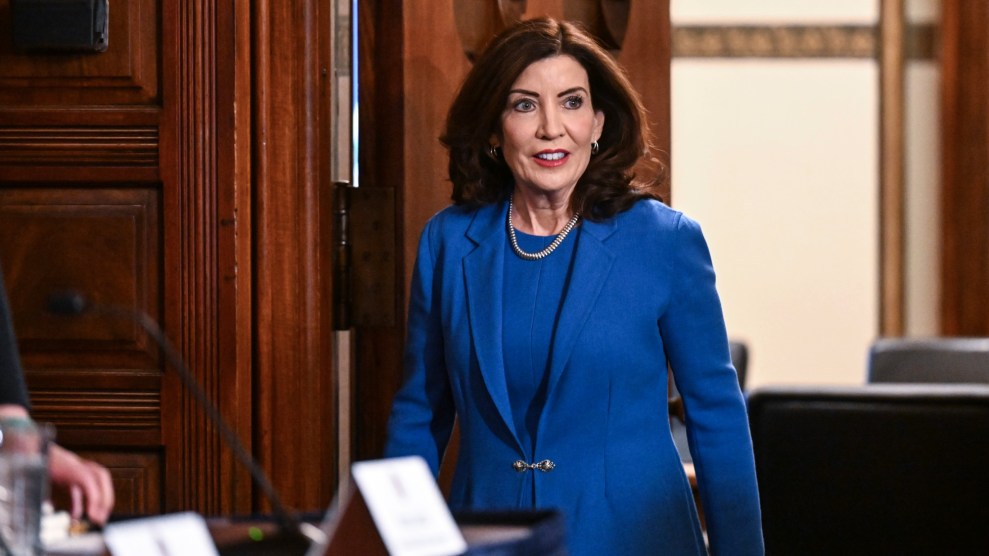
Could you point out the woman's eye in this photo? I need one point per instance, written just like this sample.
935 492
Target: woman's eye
574 102
525 105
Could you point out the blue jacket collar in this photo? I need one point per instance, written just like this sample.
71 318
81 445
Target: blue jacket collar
483 275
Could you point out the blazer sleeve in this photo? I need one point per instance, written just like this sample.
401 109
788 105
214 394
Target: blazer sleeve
696 341
423 412
12 388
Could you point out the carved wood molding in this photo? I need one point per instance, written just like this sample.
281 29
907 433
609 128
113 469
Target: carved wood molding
796 41
87 411
43 146
136 480
206 251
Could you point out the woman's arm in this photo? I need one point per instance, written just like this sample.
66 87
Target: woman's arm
696 341
422 413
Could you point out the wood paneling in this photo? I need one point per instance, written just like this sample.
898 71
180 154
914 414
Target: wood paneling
965 168
205 171
126 175
295 410
100 242
96 377
137 478
91 146
126 74
377 349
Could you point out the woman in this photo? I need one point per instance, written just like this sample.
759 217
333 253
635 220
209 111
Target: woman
546 305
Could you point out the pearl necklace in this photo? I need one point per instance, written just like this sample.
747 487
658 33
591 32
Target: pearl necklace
549 248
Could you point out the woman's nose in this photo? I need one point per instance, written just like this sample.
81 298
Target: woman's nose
550 125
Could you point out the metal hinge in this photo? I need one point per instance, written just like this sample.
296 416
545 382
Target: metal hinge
364 261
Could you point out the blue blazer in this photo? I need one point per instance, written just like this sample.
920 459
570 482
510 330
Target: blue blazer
641 297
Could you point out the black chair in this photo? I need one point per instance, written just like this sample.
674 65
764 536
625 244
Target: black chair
946 360
875 469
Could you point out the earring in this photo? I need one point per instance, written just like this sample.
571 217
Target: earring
493 152
595 147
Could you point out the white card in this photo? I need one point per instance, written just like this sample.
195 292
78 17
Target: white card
407 507
182 534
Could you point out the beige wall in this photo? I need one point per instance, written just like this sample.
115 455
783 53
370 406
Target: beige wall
779 160
922 217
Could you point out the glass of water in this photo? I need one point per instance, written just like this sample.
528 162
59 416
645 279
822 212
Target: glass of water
23 484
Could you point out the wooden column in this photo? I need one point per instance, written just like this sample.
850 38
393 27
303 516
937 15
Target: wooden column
206 232
965 168
295 438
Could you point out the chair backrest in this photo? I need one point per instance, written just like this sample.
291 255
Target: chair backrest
740 359
874 469
946 360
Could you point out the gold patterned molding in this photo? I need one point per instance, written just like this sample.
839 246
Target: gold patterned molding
794 41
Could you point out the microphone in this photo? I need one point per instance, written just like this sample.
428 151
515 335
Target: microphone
73 303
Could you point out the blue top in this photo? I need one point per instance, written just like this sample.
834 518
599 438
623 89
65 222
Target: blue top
531 312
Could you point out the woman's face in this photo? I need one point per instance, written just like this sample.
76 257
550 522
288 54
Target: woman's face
548 126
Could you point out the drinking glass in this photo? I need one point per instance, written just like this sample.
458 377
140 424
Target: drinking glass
23 484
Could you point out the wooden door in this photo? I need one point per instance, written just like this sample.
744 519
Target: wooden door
179 173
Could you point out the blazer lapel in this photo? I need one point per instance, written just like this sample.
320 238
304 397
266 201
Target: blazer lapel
484 269
592 263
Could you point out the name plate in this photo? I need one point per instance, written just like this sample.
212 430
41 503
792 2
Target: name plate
180 533
407 507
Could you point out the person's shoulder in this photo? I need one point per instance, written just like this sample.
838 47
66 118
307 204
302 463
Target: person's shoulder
452 216
451 223
651 213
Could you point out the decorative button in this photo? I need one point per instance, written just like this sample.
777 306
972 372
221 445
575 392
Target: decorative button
545 466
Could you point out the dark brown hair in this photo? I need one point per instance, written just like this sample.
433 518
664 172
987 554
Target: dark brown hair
606 187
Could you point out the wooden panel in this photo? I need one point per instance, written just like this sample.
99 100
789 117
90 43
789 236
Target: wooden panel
205 170
965 168
96 376
383 97
127 73
296 433
165 111
102 243
137 478
645 53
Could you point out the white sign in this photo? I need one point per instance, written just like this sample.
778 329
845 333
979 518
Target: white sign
181 534
407 507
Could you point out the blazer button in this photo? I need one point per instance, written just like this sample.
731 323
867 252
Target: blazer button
545 466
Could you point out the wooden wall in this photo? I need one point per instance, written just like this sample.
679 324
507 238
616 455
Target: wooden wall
81 206
179 173
965 168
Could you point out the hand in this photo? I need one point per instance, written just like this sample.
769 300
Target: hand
88 482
